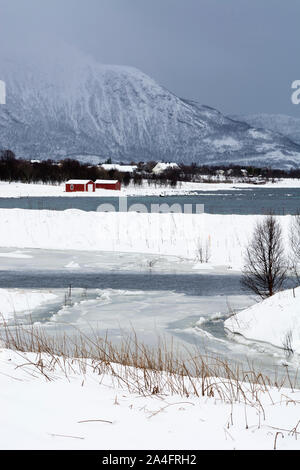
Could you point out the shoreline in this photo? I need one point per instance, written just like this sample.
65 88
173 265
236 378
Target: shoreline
16 190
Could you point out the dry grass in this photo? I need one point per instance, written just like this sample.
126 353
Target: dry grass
140 369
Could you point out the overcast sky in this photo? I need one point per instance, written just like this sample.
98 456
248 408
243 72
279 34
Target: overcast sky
239 56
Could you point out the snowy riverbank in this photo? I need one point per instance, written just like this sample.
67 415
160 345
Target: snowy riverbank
275 320
61 407
218 239
47 190
16 301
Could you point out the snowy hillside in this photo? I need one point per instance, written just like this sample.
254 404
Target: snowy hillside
287 125
275 320
71 105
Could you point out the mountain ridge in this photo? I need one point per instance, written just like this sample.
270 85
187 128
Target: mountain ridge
73 105
289 126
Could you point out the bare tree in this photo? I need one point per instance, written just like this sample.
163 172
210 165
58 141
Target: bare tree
265 265
295 245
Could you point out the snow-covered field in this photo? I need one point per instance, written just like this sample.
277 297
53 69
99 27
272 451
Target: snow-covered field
84 410
275 320
221 237
45 190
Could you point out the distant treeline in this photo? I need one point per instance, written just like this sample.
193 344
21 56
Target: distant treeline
49 171
55 172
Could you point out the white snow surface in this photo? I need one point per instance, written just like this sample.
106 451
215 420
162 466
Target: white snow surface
272 320
174 234
81 410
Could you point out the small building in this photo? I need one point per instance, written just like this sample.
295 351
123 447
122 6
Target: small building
119 168
73 186
108 184
160 167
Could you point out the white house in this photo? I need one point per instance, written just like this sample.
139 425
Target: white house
160 167
120 168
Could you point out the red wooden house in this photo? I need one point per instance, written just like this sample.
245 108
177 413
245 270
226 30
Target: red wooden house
108 184
73 186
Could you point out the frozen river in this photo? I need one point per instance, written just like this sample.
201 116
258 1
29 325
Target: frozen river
260 200
117 293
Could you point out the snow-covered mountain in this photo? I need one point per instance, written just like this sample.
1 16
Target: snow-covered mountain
70 105
286 125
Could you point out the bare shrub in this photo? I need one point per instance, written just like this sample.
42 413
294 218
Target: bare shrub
287 343
203 251
152 262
